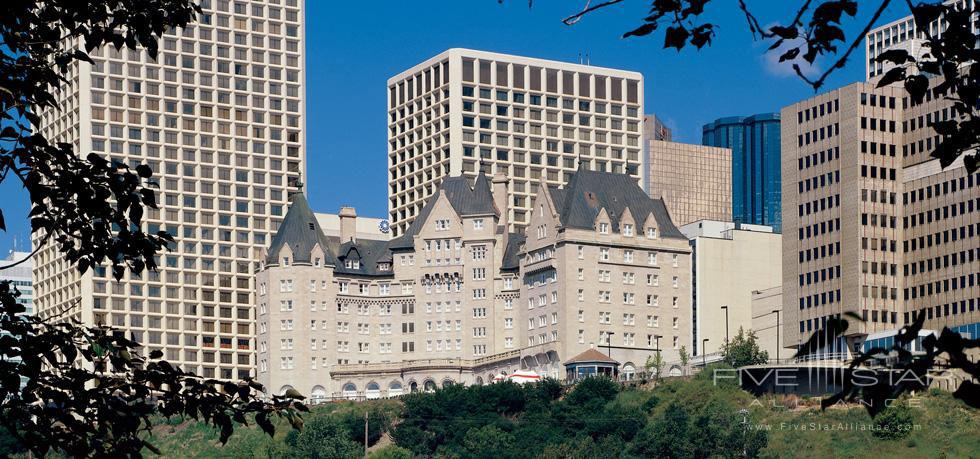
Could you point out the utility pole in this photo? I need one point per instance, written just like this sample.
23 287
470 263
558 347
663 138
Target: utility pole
776 311
704 358
365 434
726 323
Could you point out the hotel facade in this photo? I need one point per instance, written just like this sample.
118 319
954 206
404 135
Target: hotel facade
457 298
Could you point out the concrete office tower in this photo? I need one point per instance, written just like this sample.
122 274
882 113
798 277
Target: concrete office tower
878 227
754 141
694 181
463 111
729 262
220 117
459 299
903 34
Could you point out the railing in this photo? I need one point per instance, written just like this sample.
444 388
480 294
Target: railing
425 364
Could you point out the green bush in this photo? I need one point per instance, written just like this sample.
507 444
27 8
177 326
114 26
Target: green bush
391 452
894 422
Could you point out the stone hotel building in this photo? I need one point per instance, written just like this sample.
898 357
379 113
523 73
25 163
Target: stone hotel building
457 298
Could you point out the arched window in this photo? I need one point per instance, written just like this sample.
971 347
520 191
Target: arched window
349 391
373 390
395 389
318 395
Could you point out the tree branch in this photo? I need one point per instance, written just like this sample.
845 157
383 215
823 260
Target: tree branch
571 20
40 245
818 83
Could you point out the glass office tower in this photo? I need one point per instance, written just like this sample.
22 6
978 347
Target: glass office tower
755 145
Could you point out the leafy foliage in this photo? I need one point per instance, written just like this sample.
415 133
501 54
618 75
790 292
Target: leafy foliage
595 418
655 365
744 350
323 437
815 31
92 208
894 422
956 59
89 392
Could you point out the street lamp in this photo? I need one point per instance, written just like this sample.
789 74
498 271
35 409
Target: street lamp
609 343
726 323
704 359
776 311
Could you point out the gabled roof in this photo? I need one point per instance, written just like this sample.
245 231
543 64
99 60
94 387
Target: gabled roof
591 356
588 192
368 252
299 230
466 200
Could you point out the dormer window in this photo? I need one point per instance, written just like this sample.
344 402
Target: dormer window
603 228
651 232
384 267
352 264
478 224
442 225
627 229
285 261
316 262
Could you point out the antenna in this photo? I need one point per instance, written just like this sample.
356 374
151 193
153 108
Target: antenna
588 60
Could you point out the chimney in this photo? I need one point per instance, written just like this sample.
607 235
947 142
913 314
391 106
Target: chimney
348 224
499 182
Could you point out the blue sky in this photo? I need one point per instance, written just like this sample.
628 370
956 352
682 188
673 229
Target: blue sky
353 47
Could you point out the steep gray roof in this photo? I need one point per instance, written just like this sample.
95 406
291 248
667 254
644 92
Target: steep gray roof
466 201
512 253
580 201
299 230
368 251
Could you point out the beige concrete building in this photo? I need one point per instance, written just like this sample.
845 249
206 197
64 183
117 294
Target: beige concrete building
694 181
903 34
764 324
457 298
879 229
730 262
532 120
220 118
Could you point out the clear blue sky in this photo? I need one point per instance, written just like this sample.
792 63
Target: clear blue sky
353 47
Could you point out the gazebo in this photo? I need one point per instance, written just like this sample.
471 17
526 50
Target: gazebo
590 363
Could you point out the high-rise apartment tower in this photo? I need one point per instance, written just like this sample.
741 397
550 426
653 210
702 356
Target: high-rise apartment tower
532 120
220 118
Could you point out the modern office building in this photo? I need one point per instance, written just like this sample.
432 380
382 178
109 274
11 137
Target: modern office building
459 299
533 120
755 145
903 34
729 262
694 181
878 228
220 118
21 279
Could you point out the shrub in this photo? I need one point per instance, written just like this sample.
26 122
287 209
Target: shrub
894 422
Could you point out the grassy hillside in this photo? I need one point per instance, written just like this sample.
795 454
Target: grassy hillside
944 427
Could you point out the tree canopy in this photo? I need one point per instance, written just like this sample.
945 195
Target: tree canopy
90 391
